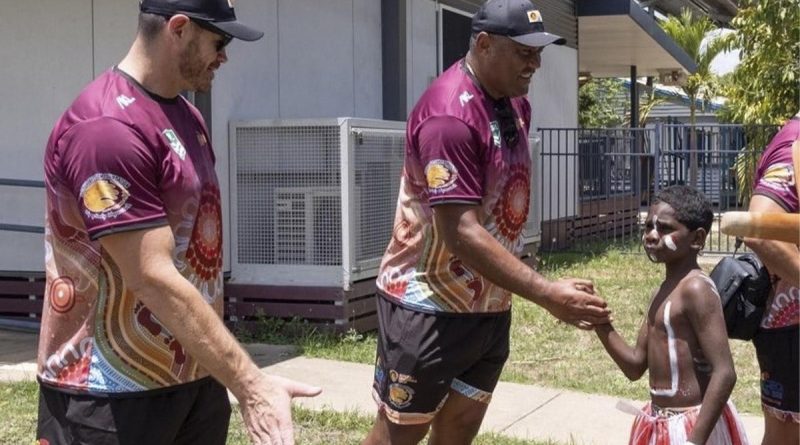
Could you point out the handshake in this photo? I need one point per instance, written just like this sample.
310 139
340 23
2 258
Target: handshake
574 301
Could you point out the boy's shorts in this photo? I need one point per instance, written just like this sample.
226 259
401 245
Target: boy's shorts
197 412
422 356
778 351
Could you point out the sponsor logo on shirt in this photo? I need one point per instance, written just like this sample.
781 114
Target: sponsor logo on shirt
175 143
124 101
105 196
441 175
534 16
779 177
465 98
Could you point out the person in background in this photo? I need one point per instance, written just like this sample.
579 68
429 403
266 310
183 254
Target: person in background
777 344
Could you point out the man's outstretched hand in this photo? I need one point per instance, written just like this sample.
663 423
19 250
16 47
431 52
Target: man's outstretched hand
573 301
267 411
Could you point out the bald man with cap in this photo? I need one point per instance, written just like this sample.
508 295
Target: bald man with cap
447 277
132 348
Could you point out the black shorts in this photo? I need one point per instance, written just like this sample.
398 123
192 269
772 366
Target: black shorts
777 351
422 356
193 413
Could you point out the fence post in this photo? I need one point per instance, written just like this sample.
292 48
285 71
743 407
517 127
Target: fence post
656 157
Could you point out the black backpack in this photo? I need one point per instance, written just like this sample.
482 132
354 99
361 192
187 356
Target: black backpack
743 284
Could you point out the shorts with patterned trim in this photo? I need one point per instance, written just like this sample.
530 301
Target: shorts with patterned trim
422 356
778 352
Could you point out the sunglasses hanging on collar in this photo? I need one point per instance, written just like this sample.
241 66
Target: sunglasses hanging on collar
507 121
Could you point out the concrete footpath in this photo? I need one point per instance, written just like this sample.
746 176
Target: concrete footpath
520 411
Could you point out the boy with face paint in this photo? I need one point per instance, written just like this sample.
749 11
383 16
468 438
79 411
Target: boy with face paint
683 342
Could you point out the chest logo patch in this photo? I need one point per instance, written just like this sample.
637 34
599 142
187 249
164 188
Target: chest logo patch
175 143
105 196
441 175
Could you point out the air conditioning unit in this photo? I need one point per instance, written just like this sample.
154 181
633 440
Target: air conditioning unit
670 77
307 225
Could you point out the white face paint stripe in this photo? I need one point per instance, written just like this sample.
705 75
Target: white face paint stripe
670 243
673 358
655 225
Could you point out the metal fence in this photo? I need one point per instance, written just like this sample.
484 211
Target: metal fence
597 184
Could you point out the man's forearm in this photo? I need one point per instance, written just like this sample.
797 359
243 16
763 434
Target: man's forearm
483 253
782 259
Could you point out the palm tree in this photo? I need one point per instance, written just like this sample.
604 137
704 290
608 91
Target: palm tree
689 32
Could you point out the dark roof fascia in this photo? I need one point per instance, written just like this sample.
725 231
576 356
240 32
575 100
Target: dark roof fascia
594 8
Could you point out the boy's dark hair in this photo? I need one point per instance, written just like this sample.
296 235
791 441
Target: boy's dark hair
691 206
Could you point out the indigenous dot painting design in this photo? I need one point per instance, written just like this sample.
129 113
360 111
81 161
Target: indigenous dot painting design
785 308
62 295
511 210
204 252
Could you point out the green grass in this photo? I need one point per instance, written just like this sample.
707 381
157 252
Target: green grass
18 404
544 352
549 354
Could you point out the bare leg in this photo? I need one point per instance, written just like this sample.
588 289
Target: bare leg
384 432
458 421
777 432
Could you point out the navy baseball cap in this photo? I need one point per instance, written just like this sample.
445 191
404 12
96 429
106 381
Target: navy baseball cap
518 20
218 14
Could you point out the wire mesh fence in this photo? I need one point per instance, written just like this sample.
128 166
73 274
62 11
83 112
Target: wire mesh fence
597 184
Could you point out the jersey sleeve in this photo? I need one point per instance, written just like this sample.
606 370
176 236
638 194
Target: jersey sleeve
113 176
449 154
775 179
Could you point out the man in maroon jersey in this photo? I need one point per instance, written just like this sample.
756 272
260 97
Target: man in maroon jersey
778 342
446 279
132 347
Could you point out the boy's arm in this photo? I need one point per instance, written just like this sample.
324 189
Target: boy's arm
704 312
632 361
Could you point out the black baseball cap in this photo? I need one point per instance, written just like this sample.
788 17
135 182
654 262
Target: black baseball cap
218 14
518 20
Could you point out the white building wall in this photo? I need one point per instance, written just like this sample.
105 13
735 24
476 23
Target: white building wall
51 50
421 48
316 60
554 101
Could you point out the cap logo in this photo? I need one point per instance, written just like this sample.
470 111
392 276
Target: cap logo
534 16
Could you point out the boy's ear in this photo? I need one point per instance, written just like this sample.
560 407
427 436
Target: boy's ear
699 238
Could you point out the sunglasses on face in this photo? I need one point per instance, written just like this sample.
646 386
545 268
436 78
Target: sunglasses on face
222 43
508 123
